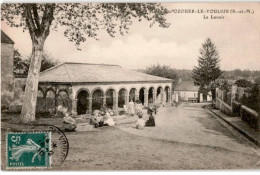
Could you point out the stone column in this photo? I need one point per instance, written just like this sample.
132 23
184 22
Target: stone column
177 97
126 99
55 100
170 97
90 104
201 97
104 100
136 95
74 106
233 94
154 96
115 102
163 98
146 99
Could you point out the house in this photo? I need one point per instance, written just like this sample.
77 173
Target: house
7 79
84 87
187 91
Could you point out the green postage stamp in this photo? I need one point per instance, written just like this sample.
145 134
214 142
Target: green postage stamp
28 150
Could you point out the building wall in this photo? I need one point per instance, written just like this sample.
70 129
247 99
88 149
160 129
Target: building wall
184 95
7 83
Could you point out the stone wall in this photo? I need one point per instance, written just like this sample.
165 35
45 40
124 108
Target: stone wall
7 83
221 105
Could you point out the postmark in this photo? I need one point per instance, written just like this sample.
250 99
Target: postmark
28 150
59 145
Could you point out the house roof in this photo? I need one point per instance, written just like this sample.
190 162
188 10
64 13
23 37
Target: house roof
186 86
5 38
93 73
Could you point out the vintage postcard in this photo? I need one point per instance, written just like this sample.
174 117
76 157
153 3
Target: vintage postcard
130 86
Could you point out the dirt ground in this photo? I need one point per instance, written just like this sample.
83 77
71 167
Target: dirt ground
114 149
185 138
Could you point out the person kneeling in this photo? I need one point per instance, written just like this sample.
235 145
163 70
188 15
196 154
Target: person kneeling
150 122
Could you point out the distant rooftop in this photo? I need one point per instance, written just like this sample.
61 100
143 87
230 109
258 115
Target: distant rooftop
5 38
70 72
186 86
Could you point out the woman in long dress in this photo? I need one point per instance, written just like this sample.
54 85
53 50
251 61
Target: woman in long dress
108 120
150 122
131 108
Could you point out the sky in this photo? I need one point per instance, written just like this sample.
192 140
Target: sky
237 38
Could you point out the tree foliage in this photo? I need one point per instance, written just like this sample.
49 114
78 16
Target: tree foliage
243 83
162 71
208 68
221 83
80 20
252 100
21 66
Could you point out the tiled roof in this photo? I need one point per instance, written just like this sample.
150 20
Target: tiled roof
94 73
5 38
186 86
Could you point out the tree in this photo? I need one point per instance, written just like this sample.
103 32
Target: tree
221 83
162 71
21 66
80 21
208 69
243 83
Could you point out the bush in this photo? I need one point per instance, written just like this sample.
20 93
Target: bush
252 100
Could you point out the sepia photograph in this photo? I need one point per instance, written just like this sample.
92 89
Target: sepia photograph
130 86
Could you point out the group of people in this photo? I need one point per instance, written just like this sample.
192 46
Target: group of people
141 123
134 107
102 117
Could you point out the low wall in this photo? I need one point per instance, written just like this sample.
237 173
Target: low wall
250 116
223 107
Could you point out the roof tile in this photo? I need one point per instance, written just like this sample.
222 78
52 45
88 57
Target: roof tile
94 73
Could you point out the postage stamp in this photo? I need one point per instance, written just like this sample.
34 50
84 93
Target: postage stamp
28 150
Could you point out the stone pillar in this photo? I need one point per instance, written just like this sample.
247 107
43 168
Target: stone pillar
170 97
233 94
136 95
146 99
217 95
201 97
154 96
104 100
208 97
115 102
90 104
126 99
176 97
74 107
163 97
55 100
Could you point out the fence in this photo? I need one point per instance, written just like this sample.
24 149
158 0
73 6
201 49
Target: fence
247 114
221 104
223 99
